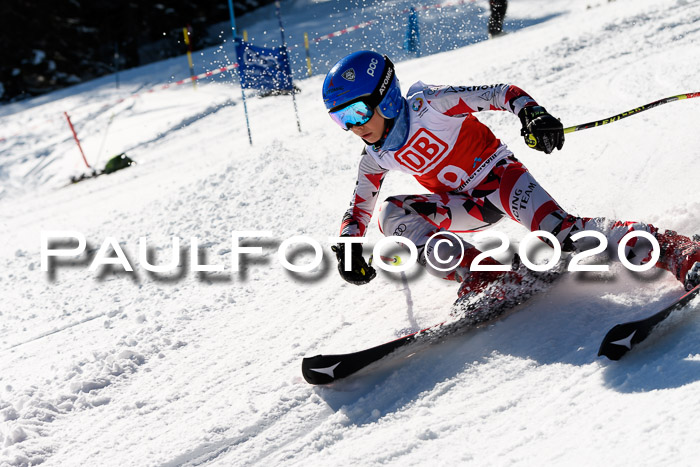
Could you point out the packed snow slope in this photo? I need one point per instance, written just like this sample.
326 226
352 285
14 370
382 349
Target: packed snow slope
191 367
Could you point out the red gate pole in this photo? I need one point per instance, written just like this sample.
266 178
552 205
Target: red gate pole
75 136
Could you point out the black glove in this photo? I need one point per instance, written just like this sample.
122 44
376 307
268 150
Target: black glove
360 272
541 131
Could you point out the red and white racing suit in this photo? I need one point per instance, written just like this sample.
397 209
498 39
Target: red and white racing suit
473 179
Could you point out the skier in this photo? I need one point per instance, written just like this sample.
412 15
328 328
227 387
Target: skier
498 13
474 180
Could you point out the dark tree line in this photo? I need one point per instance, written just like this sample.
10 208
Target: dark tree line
46 45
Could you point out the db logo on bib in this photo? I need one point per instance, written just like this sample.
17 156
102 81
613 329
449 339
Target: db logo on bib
422 151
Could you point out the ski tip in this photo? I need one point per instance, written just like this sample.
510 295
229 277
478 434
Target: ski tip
618 341
318 370
612 351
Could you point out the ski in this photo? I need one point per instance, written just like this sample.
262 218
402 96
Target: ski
467 313
324 369
623 337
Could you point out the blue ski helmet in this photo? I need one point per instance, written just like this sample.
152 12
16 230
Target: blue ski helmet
364 76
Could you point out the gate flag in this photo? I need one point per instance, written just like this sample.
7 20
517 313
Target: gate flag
265 69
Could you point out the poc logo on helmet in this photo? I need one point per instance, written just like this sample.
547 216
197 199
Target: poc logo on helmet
372 66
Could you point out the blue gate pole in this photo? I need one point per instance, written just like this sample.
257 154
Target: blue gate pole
233 31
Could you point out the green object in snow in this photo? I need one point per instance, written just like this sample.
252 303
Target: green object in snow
118 162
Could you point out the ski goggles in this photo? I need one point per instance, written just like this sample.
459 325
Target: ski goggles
358 113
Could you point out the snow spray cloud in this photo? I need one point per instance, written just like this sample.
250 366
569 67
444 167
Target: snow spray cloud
54 245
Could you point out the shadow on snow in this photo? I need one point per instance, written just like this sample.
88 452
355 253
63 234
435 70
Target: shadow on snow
563 326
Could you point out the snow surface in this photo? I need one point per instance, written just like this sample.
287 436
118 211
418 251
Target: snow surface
203 368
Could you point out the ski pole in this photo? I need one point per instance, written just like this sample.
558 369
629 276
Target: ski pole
634 111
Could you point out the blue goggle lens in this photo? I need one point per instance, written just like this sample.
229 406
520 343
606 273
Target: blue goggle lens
357 113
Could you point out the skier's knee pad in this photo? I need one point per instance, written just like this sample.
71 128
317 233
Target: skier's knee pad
563 226
398 219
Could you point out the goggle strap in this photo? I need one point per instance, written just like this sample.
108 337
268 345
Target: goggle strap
384 82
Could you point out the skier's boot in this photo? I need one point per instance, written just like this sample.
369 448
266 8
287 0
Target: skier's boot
478 282
680 256
494 283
